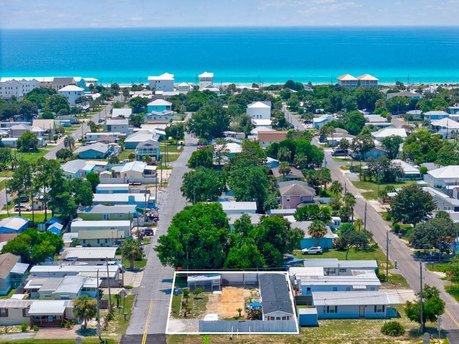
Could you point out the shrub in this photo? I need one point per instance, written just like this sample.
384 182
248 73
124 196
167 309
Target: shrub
24 327
393 328
197 291
35 328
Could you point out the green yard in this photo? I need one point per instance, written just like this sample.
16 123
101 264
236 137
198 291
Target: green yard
125 154
138 264
373 252
39 217
370 189
31 156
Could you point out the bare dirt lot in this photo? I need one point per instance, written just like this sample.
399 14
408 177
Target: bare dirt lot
228 302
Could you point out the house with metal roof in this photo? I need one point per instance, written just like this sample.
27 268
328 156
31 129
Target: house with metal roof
102 212
12 272
133 140
50 313
443 176
120 225
387 132
89 255
96 150
140 200
13 224
356 304
446 127
259 110
112 188
79 168
121 113
61 288
118 125
435 115
275 297
159 105
233 207
333 266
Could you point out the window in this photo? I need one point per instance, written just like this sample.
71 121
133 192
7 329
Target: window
331 309
3 312
380 308
278 318
342 270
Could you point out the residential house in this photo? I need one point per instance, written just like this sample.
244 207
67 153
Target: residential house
159 105
102 212
442 200
121 113
72 93
295 174
367 81
320 121
163 82
59 83
276 301
377 121
184 88
135 171
355 305
446 127
264 124
414 114
140 136
409 94
293 193
259 110
112 188
12 272
453 110
96 150
101 238
206 79
89 255
13 224
118 125
160 116
409 171
443 176
239 207
435 115
310 280
137 199
47 125
228 149
149 148
266 138
62 288
347 80
18 130
254 218
333 266
97 136
326 242
381 134
79 168
120 225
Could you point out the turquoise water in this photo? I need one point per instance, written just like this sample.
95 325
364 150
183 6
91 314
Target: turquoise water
240 55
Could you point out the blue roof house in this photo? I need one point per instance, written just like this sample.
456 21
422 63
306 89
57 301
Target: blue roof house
14 225
94 151
320 121
55 228
159 105
435 114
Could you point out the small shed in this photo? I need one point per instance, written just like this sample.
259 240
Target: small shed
307 317
208 282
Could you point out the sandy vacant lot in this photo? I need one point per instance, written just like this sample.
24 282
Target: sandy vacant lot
227 303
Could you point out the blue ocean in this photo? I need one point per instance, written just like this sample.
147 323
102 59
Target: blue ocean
243 55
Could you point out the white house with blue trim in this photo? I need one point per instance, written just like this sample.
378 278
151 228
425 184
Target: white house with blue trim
13 224
319 122
435 114
159 105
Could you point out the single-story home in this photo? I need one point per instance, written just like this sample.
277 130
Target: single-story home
326 242
14 224
409 171
294 192
89 255
443 176
377 121
355 304
435 114
266 138
159 105
96 150
239 207
120 225
134 170
381 134
112 188
101 238
12 272
159 116
333 266
102 212
79 168
123 112
61 288
276 301
295 174
137 199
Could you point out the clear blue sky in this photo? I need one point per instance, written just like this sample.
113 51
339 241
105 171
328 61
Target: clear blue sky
174 13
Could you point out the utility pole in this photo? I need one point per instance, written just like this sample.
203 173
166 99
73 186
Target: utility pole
110 309
387 256
421 301
99 329
365 217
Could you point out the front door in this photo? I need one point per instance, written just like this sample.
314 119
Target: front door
362 311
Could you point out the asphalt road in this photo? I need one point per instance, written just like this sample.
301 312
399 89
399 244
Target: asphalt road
151 308
83 129
398 251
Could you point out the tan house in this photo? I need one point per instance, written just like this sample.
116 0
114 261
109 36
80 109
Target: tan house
266 138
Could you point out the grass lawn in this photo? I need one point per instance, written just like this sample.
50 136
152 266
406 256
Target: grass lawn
176 301
125 154
118 326
453 290
138 264
170 148
39 217
371 188
31 156
6 173
373 252
170 157
395 282
197 305
329 331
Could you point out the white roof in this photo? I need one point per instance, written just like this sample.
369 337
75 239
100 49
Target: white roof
206 75
117 121
435 112
119 197
184 84
375 118
73 269
164 76
354 298
447 172
141 136
159 102
125 112
48 307
386 132
258 105
358 279
306 271
71 88
98 147
70 284
230 147
445 123
322 118
257 129
108 209
137 166
367 77
102 224
347 77
13 223
407 168
90 252
345 264
250 206
261 122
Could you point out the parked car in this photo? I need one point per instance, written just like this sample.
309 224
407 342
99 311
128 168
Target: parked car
340 152
147 231
22 207
312 250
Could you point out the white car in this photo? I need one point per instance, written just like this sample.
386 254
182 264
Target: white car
312 250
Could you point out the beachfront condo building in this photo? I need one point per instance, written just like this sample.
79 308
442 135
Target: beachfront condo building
163 82
350 81
206 79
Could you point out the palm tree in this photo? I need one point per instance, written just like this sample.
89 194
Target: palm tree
345 145
358 224
284 168
317 230
284 154
349 202
69 142
85 308
131 250
336 187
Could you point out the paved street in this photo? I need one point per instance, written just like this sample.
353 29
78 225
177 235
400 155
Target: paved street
152 303
398 251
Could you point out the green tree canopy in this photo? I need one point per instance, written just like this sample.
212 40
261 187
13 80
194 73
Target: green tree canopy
209 122
411 205
433 306
313 213
422 146
202 185
202 158
392 145
27 142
